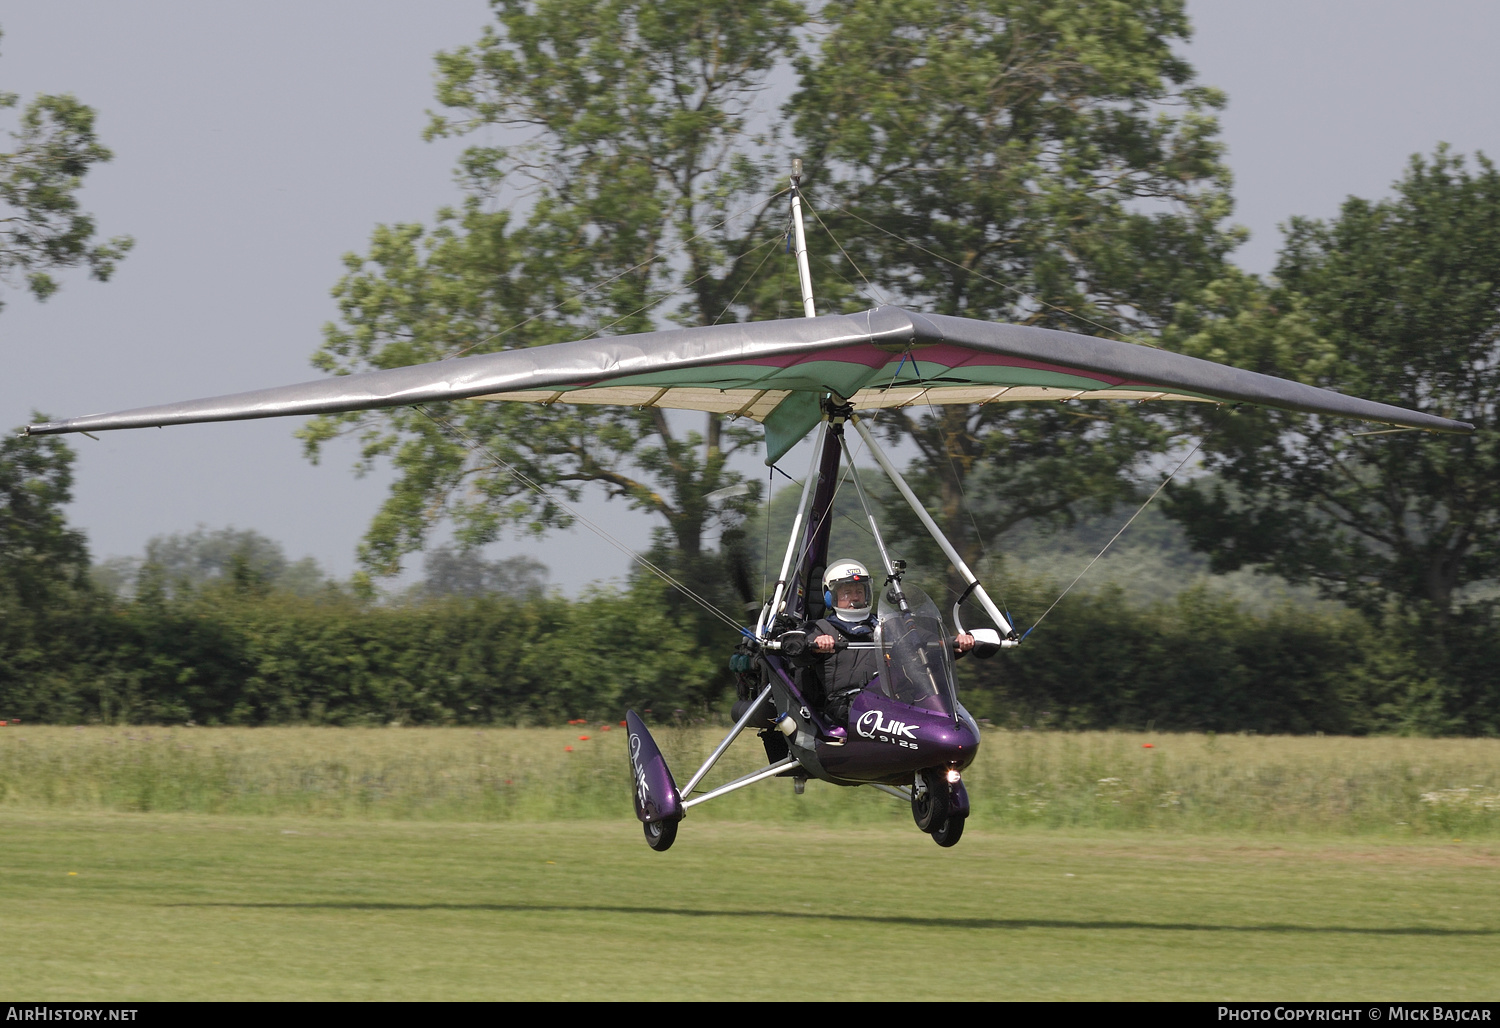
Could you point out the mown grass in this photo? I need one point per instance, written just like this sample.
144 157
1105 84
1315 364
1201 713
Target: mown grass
1397 787
154 906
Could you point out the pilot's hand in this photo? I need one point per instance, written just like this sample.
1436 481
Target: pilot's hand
963 643
824 644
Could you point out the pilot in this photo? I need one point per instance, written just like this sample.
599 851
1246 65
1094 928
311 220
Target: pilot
849 595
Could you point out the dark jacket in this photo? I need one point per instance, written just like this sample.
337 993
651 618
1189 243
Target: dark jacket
841 676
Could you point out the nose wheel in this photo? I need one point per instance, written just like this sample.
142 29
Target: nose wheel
949 832
929 799
931 808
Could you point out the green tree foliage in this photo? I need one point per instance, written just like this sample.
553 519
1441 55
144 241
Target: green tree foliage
1201 662
232 656
1058 155
450 572
44 595
1205 661
185 562
41 558
42 226
630 121
226 656
1041 162
1397 300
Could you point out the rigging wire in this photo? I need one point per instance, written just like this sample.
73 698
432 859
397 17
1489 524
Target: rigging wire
613 278
947 451
684 287
813 529
1074 315
748 278
873 292
833 500
963 498
478 447
1180 465
870 291
978 274
825 265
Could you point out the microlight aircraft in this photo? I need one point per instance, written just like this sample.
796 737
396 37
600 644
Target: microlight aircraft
906 733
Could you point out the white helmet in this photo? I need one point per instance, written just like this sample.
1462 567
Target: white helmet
837 582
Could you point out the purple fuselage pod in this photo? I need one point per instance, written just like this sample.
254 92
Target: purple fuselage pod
889 741
656 796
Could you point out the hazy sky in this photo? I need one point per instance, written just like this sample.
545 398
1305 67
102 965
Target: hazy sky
257 143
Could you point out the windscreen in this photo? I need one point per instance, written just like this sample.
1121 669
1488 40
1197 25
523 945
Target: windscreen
917 664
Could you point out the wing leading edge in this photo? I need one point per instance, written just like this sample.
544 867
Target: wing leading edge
775 371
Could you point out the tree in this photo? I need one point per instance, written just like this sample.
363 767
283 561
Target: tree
182 564
44 566
1397 300
41 224
1035 142
635 180
41 558
450 572
1041 162
636 149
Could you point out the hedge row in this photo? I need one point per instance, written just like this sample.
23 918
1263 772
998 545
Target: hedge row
289 660
1199 663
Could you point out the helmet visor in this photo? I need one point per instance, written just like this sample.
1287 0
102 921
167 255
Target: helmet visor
851 593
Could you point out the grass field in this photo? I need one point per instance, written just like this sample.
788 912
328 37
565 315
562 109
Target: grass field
1390 787
180 906
146 863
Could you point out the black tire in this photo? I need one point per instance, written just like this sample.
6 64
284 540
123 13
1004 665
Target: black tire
660 834
949 832
931 807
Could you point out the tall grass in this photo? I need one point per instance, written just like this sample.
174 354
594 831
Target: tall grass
1096 780
1240 783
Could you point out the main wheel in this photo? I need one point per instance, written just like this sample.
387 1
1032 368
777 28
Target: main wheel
660 834
949 832
929 799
